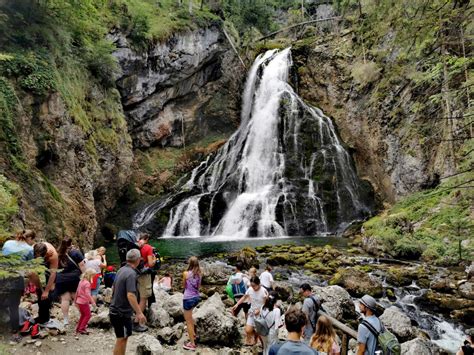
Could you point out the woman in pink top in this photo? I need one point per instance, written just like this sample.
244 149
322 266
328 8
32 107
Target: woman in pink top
325 339
83 300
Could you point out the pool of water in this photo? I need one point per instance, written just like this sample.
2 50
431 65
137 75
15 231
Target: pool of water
184 247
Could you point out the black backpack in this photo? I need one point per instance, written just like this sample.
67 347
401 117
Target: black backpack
157 255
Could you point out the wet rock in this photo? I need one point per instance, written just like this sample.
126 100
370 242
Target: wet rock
336 302
439 302
419 347
215 325
148 345
357 283
466 290
284 291
443 284
400 276
101 320
158 317
465 315
398 323
248 257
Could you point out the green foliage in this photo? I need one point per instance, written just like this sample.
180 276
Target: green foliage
12 265
365 73
9 192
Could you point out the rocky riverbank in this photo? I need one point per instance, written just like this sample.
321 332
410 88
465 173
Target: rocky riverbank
338 277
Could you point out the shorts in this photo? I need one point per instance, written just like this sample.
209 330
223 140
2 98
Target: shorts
67 286
190 303
245 306
95 291
250 320
144 286
122 325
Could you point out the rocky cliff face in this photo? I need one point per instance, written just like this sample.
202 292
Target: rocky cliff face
177 91
71 181
387 149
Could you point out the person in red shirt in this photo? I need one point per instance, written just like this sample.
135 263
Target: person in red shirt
144 281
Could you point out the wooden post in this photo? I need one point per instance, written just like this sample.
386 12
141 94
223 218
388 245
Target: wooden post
345 344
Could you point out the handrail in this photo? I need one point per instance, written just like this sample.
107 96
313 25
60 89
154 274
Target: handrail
346 331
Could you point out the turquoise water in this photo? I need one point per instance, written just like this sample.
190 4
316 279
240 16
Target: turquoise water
183 248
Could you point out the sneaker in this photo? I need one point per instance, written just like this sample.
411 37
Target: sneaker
140 328
26 328
189 346
65 322
35 331
15 338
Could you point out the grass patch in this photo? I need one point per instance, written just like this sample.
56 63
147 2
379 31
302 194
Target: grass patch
9 193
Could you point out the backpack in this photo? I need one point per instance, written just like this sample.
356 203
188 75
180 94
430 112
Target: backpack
238 289
386 341
157 255
316 307
261 325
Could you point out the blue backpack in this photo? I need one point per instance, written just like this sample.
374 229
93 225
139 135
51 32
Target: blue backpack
238 288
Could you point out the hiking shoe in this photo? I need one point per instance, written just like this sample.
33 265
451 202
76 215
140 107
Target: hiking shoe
140 328
35 331
189 346
26 328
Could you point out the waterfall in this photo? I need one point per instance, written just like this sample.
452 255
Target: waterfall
283 172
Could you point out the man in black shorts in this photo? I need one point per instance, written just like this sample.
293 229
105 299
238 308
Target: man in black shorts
124 301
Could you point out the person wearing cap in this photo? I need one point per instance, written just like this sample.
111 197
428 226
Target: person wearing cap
367 342
124 301
468 347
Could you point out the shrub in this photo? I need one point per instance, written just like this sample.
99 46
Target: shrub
365 73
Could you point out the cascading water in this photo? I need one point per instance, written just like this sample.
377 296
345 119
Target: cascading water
283 172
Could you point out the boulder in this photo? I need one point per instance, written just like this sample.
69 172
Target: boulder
148 345
443 284
440 302
284 291
248 257
170 335
158 317
466 290
173 305
419 346
371 245
216 273
336 302
101 320
214 325
398 323
357 282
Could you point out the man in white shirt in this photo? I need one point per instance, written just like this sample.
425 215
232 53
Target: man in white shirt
266 278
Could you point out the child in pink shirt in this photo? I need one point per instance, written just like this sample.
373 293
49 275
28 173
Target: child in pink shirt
83 300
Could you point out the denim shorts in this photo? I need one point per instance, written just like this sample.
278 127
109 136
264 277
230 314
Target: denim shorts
191 303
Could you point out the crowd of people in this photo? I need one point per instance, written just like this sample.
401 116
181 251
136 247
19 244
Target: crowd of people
74 278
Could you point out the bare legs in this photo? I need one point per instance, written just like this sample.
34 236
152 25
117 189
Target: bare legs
188 317
120 346
66 299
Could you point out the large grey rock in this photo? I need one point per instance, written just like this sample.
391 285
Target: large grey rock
419 346
337 302
216 273
171 84
101 320
170 335
148 345
158 317
398 323
173 305
214 325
